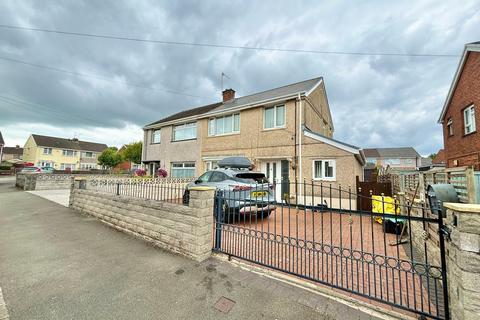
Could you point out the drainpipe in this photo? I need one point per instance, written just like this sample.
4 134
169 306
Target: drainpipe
300 147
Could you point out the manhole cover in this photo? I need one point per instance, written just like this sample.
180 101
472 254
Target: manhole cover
224 304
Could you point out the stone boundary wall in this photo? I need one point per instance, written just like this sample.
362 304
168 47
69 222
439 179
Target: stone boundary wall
45 181
186 230
463 260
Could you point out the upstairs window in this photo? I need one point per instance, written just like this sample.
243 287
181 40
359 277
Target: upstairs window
47 150
69 153
88 154
469 119
156 136
185 131
450 127
324 170
274 117
224 125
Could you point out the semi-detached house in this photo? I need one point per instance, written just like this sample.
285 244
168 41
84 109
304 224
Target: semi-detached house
286 132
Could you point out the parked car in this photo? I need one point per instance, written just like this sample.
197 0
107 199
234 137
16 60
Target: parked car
245 192
47 169
31 170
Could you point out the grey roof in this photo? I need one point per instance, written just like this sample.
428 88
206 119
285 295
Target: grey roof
188 113
13 150
284 91
2 142
402 152
75 144
288 90
331 139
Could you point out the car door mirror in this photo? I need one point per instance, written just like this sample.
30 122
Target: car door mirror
198 181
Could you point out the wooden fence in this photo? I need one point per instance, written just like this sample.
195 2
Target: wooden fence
464 180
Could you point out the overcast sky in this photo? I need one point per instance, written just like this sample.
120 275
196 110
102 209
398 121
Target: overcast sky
105 90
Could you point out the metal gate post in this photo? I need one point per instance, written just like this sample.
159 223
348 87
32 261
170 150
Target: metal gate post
218 220
443 261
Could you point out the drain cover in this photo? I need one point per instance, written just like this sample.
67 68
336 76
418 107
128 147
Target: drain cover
224 305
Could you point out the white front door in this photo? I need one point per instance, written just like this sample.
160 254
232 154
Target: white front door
273 172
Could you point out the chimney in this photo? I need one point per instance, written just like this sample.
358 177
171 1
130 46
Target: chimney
17 146
228 94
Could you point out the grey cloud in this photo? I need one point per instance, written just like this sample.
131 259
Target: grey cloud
375 101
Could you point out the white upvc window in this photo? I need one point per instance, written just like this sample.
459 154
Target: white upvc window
88 154
183 170
69 153
47 150
469 119
324 170
224 125
48 164
274 117
156 136
185 131
65 166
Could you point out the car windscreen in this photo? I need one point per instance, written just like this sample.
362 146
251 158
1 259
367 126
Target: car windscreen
251 177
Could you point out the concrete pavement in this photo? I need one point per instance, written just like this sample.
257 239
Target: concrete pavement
58 264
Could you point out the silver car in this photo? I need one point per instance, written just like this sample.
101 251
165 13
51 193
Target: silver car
243 192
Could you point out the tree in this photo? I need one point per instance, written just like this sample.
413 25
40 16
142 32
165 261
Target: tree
109 157
432 155
132 152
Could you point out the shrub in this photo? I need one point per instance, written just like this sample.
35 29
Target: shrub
140 172
162 173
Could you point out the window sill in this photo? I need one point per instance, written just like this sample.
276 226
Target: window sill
184 140
155 142
325 179
273 129
467 134
224 135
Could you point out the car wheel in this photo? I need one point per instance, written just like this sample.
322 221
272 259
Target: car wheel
186 197
265 214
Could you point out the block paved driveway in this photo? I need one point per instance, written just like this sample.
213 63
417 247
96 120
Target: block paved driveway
58 264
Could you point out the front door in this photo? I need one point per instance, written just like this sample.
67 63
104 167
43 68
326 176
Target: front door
273 172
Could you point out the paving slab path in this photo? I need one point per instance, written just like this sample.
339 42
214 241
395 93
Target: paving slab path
58 264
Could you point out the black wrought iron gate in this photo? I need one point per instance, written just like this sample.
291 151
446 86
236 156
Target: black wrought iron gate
319 235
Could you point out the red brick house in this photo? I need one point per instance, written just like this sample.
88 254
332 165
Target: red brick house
460 115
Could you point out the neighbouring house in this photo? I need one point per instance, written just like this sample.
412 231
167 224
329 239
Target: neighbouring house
12 153
286 132
439 159
126 165
404 158
2 144
61 153
459 115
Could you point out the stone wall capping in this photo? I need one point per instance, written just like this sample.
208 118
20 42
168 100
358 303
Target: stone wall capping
463 207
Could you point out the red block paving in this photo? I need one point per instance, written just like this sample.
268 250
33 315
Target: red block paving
337 249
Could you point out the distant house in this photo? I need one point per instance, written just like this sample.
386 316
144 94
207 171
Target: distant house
61 153
12 153
9 153
404 158
459 116
439 158
2 144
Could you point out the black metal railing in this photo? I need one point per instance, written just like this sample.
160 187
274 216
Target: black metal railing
318 231
172 191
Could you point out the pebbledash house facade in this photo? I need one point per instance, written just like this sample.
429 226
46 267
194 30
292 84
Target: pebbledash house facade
286 132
